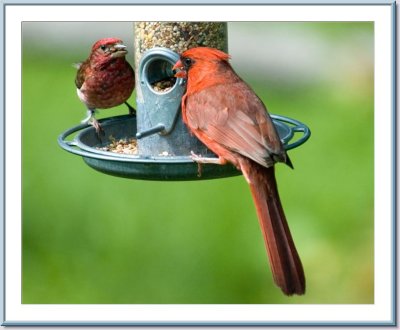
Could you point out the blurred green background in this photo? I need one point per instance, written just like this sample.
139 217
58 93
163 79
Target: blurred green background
91 238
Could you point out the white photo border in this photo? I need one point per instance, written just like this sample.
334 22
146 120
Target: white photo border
382 312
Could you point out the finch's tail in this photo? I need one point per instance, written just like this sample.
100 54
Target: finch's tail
285 262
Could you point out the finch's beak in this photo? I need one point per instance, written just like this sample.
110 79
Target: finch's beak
118 50
179 66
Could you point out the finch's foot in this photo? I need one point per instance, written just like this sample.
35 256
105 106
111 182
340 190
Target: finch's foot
91 120
132 110
99 130
89 116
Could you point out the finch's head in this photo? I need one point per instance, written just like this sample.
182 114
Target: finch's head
200 57
108 48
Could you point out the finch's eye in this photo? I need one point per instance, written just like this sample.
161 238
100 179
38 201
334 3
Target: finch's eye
103 47
187 62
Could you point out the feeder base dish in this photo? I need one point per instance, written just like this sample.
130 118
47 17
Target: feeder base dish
89 145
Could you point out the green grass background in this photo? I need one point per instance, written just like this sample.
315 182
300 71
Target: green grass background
93 238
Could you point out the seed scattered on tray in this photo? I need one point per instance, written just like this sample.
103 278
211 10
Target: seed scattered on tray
121 146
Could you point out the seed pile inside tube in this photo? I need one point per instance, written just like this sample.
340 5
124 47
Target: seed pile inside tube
163 86
179 36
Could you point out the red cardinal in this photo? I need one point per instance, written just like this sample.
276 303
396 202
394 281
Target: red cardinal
223 112
105 79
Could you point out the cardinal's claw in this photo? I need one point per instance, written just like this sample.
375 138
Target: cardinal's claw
207 160
197 158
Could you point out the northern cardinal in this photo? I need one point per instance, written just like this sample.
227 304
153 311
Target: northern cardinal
105 79
224 113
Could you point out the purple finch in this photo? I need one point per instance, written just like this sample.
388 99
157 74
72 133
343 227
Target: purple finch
105 79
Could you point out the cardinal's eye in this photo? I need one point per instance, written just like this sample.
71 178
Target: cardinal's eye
187 62
103 47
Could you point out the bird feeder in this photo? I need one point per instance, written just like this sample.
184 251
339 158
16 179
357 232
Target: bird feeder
162 144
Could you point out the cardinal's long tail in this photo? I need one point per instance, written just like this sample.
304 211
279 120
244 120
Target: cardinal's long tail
285 262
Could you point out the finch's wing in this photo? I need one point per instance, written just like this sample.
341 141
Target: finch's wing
77 65
80 75
233 116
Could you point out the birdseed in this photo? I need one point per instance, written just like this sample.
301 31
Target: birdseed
164 85
121 146
179 36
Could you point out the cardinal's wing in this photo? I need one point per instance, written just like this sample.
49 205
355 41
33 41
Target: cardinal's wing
233 116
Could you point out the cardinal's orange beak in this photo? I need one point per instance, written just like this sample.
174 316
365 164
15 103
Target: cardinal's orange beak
179 66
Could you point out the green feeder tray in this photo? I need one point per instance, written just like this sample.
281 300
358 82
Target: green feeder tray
87 143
